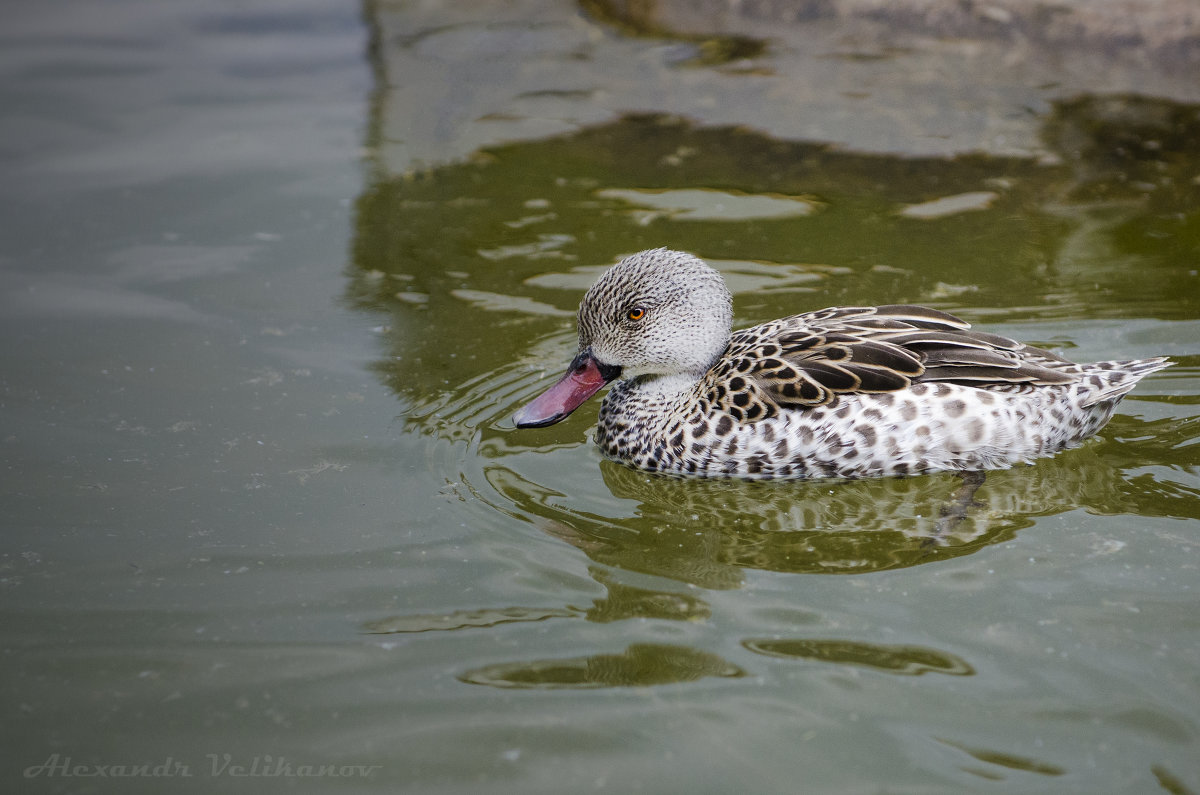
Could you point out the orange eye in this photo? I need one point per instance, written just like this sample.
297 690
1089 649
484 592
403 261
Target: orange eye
637 313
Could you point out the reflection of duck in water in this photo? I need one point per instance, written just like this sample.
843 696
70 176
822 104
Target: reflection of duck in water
842 392
848 527
707 532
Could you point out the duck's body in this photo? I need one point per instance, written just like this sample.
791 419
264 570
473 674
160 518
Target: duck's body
843 392
927 426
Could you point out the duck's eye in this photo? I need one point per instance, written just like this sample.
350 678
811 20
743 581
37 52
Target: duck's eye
637 313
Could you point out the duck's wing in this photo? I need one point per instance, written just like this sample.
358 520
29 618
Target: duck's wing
806 360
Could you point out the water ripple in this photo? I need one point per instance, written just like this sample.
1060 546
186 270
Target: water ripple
640 665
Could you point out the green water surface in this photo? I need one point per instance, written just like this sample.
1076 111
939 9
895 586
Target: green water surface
264 509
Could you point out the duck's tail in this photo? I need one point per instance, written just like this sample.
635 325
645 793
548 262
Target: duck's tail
1111 381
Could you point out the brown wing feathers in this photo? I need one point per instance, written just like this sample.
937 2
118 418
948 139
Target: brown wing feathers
862 349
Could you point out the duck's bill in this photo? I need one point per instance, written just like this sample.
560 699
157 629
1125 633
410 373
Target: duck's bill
584 378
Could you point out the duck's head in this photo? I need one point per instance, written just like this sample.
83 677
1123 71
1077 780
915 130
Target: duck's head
656 313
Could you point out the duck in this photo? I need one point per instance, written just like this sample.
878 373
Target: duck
842 392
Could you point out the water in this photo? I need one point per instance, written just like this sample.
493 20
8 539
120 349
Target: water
265 513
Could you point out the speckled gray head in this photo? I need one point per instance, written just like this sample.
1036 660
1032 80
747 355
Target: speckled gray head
657 312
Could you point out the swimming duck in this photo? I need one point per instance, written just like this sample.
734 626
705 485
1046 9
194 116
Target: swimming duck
840 392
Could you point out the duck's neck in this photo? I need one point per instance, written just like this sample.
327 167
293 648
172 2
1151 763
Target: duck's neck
667 387
647 403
